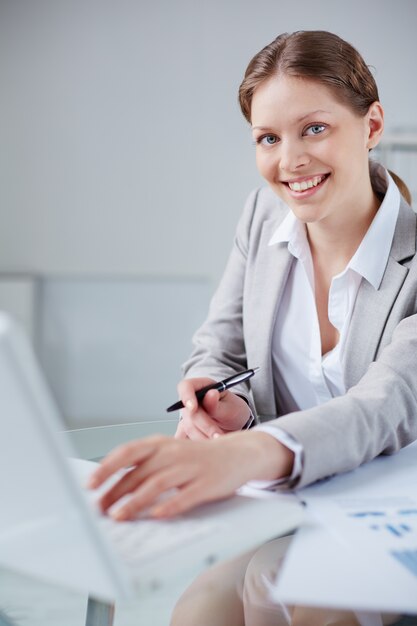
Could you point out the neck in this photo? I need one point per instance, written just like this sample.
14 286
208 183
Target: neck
335 240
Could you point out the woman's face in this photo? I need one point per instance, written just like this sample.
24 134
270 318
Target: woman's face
313 150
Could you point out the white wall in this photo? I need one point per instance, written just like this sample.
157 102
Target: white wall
122 147
112 349
123 155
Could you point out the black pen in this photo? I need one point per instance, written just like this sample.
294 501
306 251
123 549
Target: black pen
220 386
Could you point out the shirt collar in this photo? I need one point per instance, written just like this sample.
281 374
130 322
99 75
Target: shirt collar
371 257
293 232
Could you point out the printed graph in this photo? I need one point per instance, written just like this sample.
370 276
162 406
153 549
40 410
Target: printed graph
399 523
408 558
397 530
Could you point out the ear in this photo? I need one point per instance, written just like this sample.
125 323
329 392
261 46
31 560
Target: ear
375 124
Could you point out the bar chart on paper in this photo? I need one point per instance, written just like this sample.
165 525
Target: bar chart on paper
393 523
397 522
408 558
363 531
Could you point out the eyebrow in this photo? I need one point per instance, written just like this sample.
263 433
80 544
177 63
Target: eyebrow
300 119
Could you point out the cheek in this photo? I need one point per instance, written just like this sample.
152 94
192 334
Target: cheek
327 152
344 152
265 166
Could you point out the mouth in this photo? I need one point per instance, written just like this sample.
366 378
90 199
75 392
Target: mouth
307 185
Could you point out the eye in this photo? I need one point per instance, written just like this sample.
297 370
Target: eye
315 129
267 140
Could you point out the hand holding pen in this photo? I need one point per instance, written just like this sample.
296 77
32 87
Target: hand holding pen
220 386
211 414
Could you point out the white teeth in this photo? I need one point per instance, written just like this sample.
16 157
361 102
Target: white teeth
306 184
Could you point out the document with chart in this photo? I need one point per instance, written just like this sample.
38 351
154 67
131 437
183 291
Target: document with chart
360 548
385 527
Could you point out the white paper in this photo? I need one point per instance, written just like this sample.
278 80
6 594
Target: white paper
360 549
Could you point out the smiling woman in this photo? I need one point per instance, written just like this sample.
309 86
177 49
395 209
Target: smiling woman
320 291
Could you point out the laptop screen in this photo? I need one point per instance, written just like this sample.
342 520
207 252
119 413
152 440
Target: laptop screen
46 527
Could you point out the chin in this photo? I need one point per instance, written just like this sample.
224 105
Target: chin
307 215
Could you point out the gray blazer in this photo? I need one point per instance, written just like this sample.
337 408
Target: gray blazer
378 414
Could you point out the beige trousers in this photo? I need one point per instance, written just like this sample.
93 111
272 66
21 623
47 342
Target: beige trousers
235 593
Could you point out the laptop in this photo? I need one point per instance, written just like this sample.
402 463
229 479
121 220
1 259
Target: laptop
51 528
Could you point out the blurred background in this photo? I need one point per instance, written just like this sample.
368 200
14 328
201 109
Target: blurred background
125 164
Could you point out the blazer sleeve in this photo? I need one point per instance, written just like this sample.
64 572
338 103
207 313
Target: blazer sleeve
219 345
376 416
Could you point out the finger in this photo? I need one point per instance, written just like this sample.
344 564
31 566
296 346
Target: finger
192 431
124 456
187 395
180 432
125 485
201 426
149 491
206 418
169 456
211 402
186 391
185 499
229 410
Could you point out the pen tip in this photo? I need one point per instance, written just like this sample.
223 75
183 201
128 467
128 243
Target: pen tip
255 369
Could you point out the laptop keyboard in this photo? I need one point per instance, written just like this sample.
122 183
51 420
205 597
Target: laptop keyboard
143 540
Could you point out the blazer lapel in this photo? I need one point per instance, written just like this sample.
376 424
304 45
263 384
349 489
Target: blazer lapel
269 278
373 306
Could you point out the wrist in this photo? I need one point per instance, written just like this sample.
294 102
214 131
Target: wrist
273 460
250 419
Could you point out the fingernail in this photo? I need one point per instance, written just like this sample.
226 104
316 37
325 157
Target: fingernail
189 404
156 511
215 435
118 514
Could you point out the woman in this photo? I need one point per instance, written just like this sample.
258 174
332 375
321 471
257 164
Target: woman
320 291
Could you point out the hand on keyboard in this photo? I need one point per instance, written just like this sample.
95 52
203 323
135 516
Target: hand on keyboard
201 471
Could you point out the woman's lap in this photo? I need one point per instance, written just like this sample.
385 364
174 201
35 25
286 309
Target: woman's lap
236 593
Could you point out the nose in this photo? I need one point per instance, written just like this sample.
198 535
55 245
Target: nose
292 155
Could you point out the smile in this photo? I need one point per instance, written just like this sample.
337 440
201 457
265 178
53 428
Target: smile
307 183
